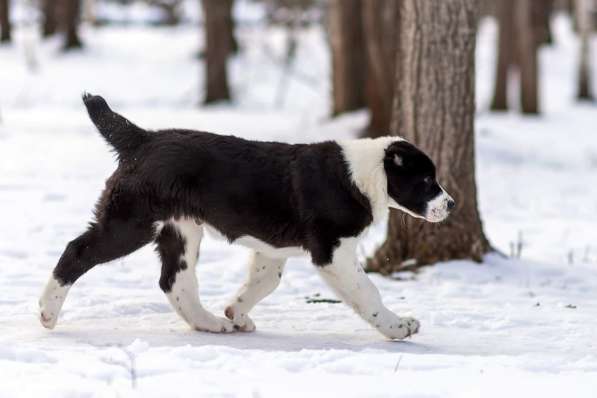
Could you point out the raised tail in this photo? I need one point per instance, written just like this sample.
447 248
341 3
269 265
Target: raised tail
119 132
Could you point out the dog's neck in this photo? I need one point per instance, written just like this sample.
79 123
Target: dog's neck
365 161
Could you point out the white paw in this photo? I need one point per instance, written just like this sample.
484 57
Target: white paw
51 302
242 322
215 325
47 317
401 329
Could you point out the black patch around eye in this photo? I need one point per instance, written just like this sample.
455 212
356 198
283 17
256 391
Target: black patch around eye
413 184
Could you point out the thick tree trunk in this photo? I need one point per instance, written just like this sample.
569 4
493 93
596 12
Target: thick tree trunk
435 111
5 21
50 17
527 57
585 28
348 55
217 18
381 22
505 56
71 16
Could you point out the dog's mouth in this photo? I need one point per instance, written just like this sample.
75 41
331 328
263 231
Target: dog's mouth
436 210
439 208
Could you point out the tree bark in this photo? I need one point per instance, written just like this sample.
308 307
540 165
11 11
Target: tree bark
541 16
49 11
527 58
435 110
381 22
348 55
505 56
5 27
217 18
585 21
71 16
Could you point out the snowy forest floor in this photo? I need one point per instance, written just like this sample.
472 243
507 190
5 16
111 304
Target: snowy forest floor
507 327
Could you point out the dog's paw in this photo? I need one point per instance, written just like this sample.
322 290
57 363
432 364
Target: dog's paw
242 322
403 328
47 317
51 302
215 325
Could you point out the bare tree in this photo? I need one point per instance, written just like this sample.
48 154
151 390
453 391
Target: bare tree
435 110
584 21
70 18
523 27
541 16
381 20
5 21
49 17
505 55
527 57
348 55
217 18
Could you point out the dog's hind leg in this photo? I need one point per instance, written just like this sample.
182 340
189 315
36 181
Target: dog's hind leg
264 276
178 245
102 242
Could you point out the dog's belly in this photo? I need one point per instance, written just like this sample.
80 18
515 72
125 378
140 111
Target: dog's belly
258 245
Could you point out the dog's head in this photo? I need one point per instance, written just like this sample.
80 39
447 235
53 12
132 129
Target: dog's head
412 184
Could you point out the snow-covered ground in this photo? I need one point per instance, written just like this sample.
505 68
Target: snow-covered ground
522 327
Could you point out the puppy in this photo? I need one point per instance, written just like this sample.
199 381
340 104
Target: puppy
278 199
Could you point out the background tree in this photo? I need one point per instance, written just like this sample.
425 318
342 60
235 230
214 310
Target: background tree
381 26
435 110
505 54
70 17
5 21
584 20
526 55
348 55
541 11
49 17
218 46
523 26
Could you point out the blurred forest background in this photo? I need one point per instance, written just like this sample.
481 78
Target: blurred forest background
408 65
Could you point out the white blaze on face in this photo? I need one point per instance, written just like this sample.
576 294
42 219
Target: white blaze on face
438 208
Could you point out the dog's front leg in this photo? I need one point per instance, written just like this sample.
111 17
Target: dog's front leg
350 282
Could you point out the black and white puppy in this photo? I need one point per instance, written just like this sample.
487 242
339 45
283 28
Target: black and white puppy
278 199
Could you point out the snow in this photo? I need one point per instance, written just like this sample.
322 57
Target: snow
508 327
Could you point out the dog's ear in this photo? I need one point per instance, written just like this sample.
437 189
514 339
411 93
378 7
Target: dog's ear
395 155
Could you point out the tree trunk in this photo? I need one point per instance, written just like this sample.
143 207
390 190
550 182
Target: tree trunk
348 55
381 22
541 16
49 11
527 57
4 21
435 110
70 24
585 28
505 56
217 17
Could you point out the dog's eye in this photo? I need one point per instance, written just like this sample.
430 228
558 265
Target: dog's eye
428 180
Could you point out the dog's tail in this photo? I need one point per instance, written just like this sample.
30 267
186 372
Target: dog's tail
119 132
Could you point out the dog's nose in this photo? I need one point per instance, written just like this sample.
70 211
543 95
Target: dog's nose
451 204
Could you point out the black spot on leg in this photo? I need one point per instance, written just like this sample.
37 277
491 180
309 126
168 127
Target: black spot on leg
279 275
170 247
239 300
375 314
